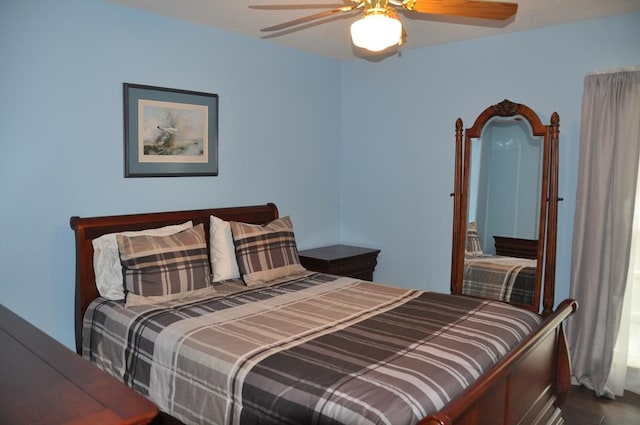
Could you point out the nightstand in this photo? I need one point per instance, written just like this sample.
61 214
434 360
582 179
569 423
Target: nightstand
43 382
516 247
343 260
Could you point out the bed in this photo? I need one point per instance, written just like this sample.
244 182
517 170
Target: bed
526 383
508 275
503 278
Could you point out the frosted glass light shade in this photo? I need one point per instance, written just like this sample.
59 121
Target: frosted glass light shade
376 32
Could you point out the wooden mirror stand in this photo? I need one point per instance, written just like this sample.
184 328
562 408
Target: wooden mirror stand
535 248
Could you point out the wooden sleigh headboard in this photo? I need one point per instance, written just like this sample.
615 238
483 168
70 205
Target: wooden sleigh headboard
89 228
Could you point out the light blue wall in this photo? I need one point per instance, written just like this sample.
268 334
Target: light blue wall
62 67
398 133
508 190
357 151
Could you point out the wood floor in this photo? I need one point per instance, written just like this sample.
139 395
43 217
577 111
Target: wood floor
584 408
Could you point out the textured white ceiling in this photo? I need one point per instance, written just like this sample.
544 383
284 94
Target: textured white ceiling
330 37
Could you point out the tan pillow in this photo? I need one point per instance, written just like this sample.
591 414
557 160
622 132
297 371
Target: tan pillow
266 252
106 259
163 265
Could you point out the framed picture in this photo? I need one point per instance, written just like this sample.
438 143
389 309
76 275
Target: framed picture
169 132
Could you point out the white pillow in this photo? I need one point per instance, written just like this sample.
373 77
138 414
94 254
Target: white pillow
222 251
106 259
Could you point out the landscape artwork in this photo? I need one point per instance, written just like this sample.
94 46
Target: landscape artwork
169 132
172 132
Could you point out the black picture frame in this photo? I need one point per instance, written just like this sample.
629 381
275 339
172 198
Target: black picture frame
169 132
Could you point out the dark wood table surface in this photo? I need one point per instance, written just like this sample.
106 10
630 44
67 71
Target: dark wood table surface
43 382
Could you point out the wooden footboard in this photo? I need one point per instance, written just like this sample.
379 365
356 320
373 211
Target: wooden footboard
527 387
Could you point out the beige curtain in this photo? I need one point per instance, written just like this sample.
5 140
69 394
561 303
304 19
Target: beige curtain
607 176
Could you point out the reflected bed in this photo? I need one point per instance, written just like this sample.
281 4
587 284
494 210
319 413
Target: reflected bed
508 279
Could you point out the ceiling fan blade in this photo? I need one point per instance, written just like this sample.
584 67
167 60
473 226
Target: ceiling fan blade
470 9
295 6
309 18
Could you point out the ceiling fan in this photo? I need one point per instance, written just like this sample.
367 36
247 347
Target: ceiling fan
380 28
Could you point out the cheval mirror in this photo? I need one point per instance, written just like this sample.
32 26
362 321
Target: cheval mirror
506 207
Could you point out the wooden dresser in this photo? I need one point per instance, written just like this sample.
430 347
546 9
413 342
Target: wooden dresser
43 382
343 260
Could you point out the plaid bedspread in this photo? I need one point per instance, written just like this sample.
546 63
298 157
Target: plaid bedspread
319 349
500 278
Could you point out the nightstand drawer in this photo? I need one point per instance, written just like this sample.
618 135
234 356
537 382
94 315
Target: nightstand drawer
343 260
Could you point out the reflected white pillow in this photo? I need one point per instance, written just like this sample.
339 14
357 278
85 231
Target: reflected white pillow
106 259
222 252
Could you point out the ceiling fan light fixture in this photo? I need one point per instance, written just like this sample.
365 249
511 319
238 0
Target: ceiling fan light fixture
376 31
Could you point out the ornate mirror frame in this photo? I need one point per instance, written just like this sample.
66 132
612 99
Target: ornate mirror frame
547 228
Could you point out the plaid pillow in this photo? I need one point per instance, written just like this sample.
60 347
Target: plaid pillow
473 246
266 252
164 265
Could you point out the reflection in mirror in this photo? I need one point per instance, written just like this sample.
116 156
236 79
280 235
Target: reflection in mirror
505 207
505 181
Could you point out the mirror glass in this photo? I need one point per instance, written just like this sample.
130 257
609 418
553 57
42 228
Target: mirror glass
505 181
505 207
